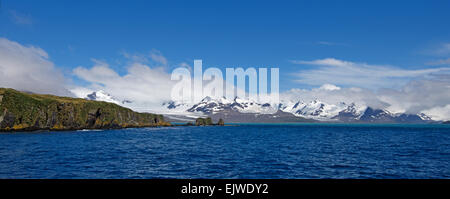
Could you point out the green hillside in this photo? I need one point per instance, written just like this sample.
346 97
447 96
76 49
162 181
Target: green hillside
23 111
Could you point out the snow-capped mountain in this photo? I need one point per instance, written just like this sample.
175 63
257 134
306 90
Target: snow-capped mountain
287 111
350 114
175 107
383 116
316 110
105 97
424 117
211 106
320 110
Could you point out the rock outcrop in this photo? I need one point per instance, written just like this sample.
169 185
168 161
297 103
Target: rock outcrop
221 122
21 111
203 122
207 122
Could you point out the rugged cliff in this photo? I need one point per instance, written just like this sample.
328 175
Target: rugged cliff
22 111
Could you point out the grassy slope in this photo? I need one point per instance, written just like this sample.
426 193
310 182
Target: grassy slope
23 111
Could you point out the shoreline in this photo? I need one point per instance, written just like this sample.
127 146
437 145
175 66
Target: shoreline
81 129
230 124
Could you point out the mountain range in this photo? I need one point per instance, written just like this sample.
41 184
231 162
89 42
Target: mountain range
247 111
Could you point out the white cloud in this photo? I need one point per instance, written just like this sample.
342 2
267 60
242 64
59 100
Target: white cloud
419 95
81 92
324 62
351 74
20 18
28 68
439 62
153 58
443 50
439 113
146 86
135 57
329 87
328 43
157 56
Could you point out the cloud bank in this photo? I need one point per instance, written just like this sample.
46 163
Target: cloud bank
351 74
28 68
144 85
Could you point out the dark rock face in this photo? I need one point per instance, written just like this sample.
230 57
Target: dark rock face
170 105
408 118
92 96
203 121
381 116
221 122
348 115
7 119
93 115
376 115
22 111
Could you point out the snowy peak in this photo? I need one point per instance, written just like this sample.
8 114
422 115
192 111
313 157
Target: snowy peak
383 116
105 97
350 114
424 117
101 96
175 107
376 115
243 108
209 105
314 109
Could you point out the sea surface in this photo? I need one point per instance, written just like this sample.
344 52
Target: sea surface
242 151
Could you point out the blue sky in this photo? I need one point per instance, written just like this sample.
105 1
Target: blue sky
232 33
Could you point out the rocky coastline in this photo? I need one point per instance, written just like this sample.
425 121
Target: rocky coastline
21 111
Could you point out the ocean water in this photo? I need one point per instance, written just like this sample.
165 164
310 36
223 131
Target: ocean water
244 151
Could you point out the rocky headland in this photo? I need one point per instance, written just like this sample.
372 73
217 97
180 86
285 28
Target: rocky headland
21 111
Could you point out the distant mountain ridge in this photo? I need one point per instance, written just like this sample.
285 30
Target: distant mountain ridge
241 110
298 112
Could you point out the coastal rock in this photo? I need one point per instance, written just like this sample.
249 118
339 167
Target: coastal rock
203 121
221 122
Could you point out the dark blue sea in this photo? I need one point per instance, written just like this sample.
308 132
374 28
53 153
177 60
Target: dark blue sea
244 151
